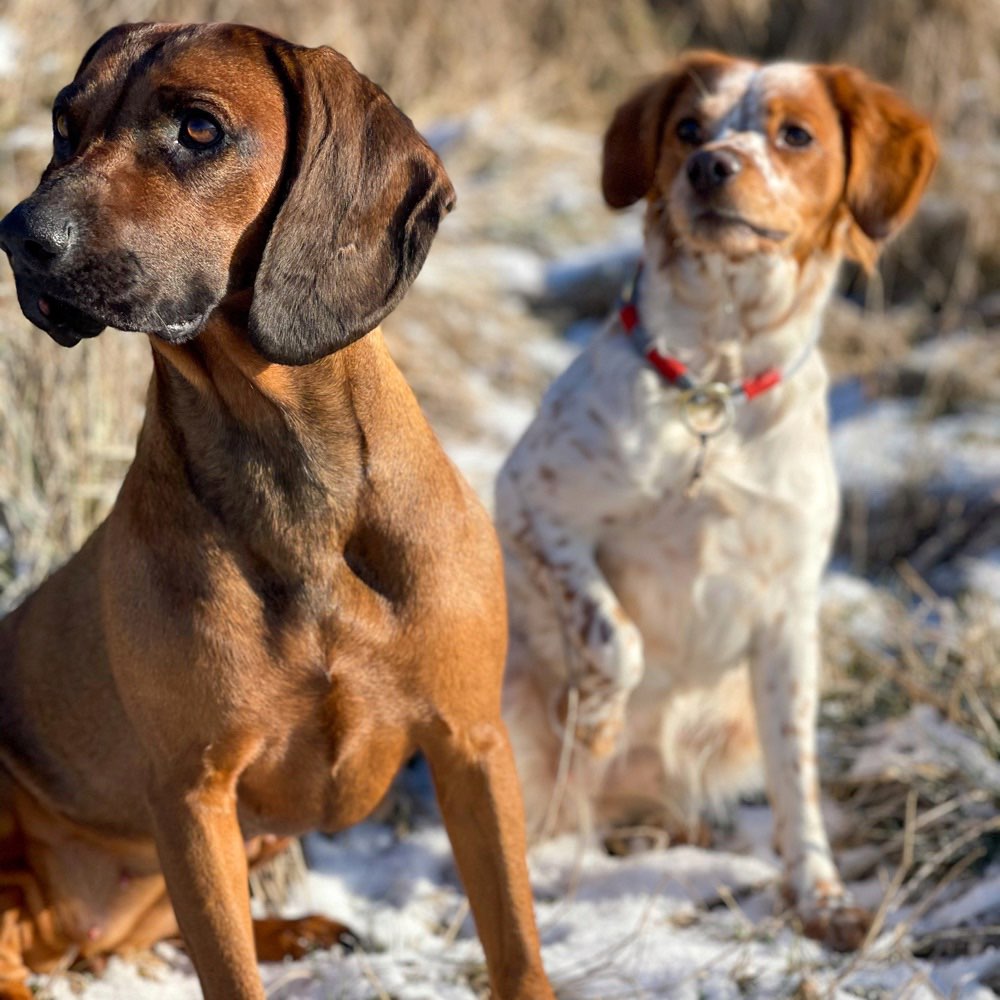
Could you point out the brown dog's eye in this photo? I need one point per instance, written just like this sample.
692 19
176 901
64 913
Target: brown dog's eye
199 131
61 125
689 131
795 136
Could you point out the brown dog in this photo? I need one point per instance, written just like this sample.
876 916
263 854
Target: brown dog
295 589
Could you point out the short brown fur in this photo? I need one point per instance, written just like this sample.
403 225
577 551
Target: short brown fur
295 590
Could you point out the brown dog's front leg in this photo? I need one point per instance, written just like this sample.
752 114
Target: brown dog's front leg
204 862
13 971
480 801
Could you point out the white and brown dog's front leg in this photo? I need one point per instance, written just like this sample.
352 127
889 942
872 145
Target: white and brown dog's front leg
785 672
551 537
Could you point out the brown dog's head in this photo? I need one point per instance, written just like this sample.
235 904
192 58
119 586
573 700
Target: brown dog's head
195 162
739 158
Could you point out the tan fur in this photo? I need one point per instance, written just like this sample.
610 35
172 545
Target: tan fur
295 590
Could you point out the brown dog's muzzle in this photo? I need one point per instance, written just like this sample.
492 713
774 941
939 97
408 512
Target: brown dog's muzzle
38 242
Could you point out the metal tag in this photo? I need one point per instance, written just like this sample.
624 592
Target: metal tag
707 410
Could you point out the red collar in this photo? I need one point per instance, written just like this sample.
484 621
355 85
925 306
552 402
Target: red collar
674 371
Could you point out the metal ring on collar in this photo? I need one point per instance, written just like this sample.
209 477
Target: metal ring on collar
707 410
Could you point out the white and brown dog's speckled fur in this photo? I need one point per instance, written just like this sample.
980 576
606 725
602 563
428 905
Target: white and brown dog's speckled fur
679 633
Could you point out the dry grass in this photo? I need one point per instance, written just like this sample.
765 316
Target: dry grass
66 436
933 815
70 418
561 55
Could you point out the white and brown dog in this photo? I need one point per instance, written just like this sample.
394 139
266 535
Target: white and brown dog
667 516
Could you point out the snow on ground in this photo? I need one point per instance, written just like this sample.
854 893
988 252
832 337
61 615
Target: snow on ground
685 923
890 446
529 254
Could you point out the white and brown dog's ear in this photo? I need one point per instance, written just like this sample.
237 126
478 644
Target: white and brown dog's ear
890 153
633 139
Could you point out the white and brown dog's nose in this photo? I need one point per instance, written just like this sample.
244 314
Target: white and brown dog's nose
711 169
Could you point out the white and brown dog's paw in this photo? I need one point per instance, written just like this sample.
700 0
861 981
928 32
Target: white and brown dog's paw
834 919
595 710
610 667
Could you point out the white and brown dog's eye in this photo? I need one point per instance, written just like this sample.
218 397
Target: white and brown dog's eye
199 131
795 136
689 132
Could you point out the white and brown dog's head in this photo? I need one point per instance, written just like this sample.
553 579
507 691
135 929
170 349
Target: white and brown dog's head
740 158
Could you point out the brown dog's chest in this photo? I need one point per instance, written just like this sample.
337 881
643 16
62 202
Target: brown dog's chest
307 679
334 742
323 778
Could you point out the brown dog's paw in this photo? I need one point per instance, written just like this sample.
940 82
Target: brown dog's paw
837 923
278 939
15 991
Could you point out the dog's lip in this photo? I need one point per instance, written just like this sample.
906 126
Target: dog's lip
724 217
64 323
186 327
68 325
178 332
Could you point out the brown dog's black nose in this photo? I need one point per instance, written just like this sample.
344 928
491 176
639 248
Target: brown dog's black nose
710 169
36 236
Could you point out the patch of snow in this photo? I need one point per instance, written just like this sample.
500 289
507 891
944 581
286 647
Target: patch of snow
685 923
552 356
444 133
859 604
961 978
847 400
580 332
889 447
981 901
981 575
10 51
922 739
607 264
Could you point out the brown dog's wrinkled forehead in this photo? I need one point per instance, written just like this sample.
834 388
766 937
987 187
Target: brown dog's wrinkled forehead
139 48
134 63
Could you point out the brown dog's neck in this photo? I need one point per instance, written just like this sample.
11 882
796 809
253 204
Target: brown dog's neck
277 456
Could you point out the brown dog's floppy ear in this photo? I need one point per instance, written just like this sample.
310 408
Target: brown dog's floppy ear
364 197
632 141
890 152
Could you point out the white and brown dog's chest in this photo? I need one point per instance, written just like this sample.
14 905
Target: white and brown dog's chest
696 569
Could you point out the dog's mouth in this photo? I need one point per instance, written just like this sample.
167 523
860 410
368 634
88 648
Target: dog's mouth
64 323
68 324
183 330
717 221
